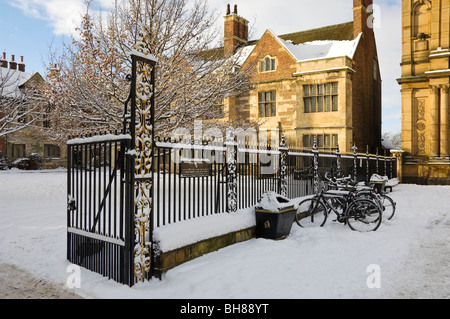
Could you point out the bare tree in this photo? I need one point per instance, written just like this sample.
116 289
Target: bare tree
20 106
89 87
394 138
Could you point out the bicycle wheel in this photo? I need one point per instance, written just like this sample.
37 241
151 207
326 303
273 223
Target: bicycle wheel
311 212
363 215
388 206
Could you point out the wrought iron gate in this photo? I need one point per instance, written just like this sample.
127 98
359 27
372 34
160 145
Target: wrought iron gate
109 187
98 187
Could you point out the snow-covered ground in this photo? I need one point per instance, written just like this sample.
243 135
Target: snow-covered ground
407 257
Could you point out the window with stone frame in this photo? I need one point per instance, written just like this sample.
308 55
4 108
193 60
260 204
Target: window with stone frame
267 64
51 150
267 104
323 141
17 150
321 97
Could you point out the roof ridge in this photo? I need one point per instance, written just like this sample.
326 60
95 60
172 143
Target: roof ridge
318 28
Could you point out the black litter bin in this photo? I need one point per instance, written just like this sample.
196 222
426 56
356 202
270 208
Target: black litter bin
275 215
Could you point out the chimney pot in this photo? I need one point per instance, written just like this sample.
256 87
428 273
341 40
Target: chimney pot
12 63
235 9
4 62
228 9
21 64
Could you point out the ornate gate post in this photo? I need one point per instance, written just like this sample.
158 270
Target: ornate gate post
283 166
355 161
141 129
231 147
367 164
338 161
315 151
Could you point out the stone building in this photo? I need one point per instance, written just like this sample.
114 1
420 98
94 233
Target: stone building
425 87
322 84
34 138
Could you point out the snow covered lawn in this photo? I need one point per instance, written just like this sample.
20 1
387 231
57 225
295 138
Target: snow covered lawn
407 257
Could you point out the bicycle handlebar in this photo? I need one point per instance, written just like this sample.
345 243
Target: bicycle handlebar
337 180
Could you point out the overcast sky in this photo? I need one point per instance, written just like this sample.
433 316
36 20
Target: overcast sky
29 27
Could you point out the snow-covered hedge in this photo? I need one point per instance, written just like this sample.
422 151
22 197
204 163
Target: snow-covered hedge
32 162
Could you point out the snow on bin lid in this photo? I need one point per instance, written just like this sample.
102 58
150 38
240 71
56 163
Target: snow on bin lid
378 178
274 202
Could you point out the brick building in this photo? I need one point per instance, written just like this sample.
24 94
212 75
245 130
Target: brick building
34 138
322 84
425 88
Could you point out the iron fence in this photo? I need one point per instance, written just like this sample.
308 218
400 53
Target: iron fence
190 180
194 179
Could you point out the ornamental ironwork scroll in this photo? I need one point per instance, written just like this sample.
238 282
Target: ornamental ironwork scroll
355 161
367 164
141 129
338 161
283 167
315 151
231 146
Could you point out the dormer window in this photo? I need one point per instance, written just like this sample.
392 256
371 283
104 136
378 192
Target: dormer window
268 64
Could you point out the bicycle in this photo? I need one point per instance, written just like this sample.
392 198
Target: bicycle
387 204
360 214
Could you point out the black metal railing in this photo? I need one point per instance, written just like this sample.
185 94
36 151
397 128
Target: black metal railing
191 180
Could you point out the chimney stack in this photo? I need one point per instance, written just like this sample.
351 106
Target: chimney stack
3 61
361 16
12 63
21 64
235 31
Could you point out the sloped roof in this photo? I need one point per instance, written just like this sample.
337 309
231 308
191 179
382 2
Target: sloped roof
319 43
325 42
337 32
321 49
11 81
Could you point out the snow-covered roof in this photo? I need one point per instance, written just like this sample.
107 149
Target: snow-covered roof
243 53
321 49
308 51
11 81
